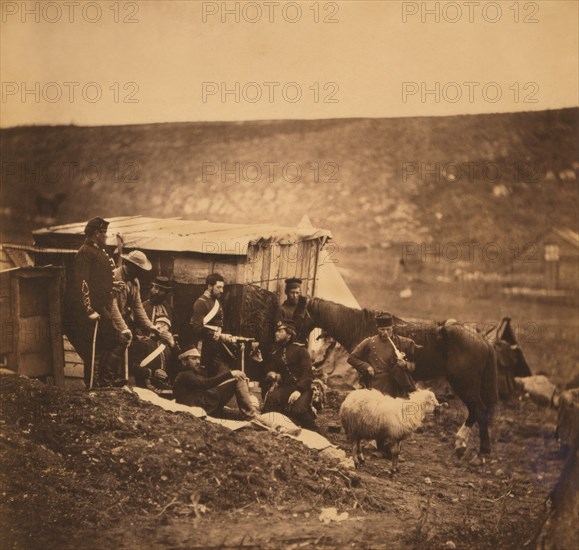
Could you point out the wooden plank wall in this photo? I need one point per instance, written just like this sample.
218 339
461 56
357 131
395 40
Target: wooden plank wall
268 266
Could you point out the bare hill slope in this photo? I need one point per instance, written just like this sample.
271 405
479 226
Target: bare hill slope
369 180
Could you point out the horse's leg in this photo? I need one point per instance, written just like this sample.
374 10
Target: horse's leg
481 417
485 437
463 434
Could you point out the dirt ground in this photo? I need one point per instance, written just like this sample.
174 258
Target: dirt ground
104 470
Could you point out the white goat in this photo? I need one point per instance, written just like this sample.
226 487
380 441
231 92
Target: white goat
369 414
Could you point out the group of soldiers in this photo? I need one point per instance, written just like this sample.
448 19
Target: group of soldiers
111 328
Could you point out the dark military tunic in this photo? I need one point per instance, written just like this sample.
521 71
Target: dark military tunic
156 310
212 351
93 279
292 362
379 354
92 291
299 315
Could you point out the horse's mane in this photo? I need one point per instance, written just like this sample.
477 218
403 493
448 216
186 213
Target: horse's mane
349 326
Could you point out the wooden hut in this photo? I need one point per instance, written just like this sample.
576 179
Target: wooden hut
254 259
31 338
560 257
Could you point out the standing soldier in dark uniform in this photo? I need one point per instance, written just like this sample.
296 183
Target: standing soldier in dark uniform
292 375
294 308
207 327
383 360
92 302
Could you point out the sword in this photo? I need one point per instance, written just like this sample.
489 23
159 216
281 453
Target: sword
92 359
155 353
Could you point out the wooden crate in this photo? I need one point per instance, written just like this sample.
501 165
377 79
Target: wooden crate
31 326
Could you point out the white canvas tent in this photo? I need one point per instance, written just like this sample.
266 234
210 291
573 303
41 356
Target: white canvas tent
331 286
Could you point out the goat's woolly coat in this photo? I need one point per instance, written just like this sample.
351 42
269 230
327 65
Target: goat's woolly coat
369 414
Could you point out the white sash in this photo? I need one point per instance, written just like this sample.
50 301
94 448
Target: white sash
212 313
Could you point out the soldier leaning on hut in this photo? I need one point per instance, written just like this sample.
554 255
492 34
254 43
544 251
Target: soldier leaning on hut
93 304
382 360
294 308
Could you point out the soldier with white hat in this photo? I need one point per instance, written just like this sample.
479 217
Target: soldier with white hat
128 298
194 387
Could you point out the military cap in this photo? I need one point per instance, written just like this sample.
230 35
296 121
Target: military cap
287 324
293 282
384 320
95 224
163 319
162 282
193 352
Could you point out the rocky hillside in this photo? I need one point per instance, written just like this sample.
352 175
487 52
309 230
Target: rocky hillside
371 181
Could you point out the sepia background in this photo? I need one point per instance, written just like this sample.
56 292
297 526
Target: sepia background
436 140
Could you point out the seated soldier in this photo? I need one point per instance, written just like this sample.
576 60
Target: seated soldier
194 387
155 373
158 304
291 370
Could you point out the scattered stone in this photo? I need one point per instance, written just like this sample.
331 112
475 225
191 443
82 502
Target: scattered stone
327 515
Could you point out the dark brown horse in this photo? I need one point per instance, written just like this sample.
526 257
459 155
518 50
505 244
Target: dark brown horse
456 352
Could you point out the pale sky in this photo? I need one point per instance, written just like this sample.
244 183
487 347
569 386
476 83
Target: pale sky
156 68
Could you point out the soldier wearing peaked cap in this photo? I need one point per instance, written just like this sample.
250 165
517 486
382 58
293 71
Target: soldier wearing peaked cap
292 374
384 361
92 300
294 308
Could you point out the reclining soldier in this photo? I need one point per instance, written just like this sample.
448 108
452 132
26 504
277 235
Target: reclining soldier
195 388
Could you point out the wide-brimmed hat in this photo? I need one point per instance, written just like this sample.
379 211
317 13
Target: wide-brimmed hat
139 259
193 352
